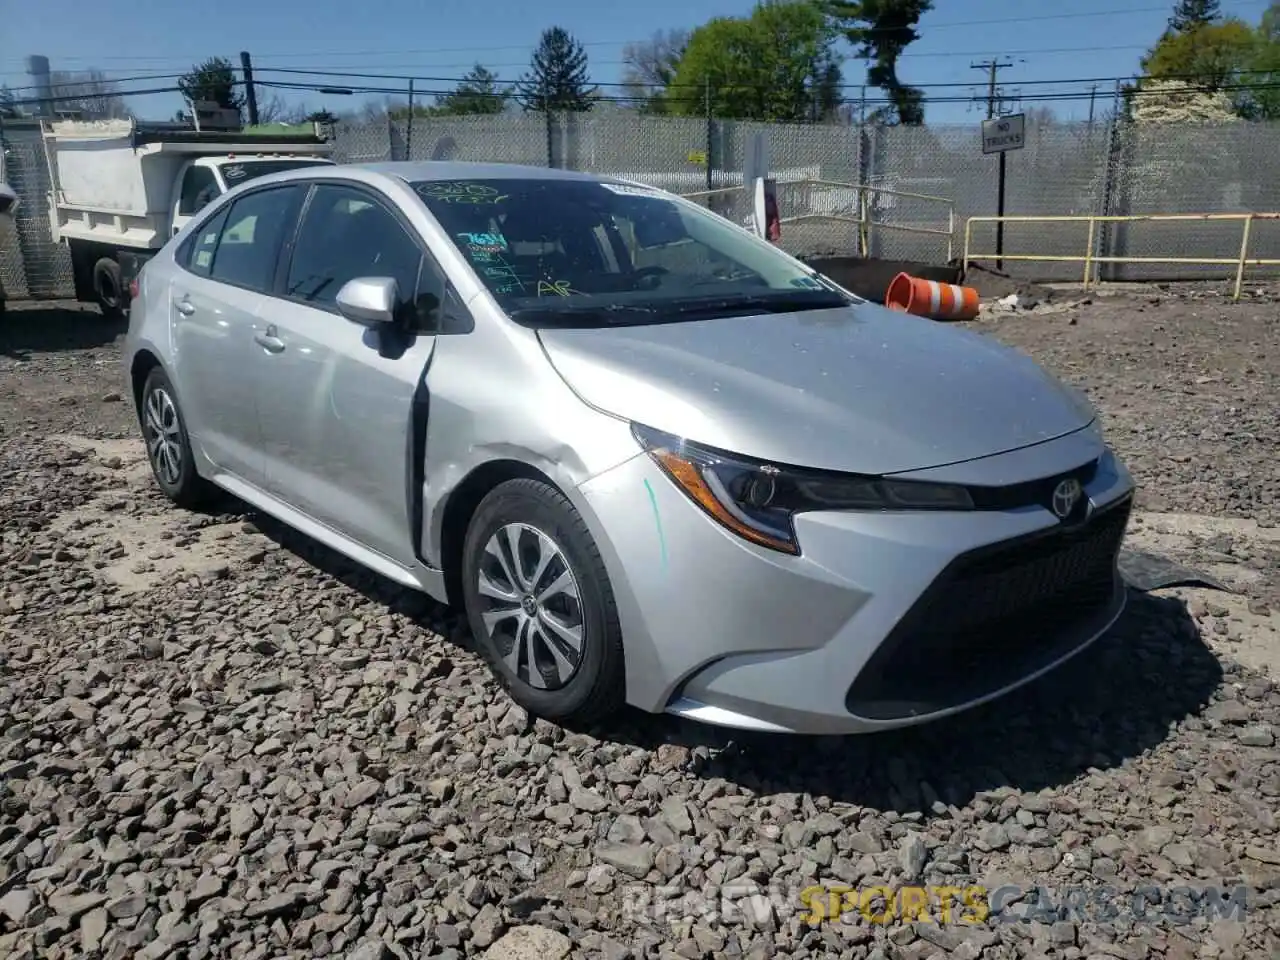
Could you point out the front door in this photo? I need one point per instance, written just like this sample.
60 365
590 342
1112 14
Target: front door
228 265
336 399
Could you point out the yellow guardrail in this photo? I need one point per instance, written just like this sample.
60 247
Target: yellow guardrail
863 220
1090 260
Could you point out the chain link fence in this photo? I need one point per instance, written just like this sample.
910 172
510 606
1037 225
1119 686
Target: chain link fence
32 266
1065 169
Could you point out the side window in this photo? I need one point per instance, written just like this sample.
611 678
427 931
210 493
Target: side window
250 244
198 187
346 234
198 255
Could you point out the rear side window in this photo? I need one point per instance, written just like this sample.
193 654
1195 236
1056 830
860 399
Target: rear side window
249 246
198 256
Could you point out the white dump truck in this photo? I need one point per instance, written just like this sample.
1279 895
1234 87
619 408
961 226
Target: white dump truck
122 188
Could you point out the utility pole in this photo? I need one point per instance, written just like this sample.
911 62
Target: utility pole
991 66
1093 93
250 95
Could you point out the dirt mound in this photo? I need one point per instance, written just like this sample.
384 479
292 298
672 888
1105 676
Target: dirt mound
992 285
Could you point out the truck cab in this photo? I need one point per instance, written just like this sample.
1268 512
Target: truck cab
204 178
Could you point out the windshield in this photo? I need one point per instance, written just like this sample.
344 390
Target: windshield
587 253
234 174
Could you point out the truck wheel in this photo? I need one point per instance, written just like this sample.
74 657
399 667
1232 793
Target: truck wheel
108 289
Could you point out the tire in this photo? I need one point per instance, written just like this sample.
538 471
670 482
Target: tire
158 412
108 289
544 518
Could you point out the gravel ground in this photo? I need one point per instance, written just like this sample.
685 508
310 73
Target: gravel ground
218 740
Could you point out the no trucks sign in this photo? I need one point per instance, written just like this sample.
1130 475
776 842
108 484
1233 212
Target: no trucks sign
1003 133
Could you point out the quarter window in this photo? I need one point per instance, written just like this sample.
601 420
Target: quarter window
250 243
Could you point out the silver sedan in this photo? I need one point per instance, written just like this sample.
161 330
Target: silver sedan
656 459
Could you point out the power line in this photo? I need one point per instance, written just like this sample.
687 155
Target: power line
77 84
946 24
625 99
941 54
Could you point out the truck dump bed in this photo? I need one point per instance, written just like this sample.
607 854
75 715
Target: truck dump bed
113 180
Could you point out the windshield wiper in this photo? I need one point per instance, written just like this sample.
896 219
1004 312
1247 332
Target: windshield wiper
765 303
592 315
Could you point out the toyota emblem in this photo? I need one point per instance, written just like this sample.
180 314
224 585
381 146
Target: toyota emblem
1065 497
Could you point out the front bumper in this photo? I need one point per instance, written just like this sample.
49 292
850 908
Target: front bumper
885 620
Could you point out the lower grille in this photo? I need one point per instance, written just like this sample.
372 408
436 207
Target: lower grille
993 616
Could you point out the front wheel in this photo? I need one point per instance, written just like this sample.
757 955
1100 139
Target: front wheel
540 605
168 446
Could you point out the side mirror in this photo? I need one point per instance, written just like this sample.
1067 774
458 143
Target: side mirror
369 301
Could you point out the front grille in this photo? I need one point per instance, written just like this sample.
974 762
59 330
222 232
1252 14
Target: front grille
993 616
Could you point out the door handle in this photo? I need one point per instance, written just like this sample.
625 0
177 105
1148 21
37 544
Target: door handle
269 343
185 307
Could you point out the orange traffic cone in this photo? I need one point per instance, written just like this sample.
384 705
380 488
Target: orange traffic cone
928 298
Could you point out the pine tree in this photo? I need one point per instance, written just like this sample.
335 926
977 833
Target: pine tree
214 80
477 92
557 79
1189 14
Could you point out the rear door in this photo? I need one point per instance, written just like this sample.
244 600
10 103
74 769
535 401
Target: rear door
228 266
336 399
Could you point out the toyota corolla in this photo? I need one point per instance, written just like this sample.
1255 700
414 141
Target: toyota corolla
656 459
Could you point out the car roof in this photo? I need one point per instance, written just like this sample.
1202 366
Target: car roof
414 170
411 171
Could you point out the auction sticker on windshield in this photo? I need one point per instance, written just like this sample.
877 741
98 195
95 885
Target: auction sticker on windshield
627 190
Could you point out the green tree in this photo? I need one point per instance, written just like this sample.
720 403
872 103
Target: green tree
778 64
1264 68
8 108
881 30
557 78
214 80
477 92
1211 55
1188 14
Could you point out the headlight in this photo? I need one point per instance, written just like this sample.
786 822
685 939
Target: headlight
757 500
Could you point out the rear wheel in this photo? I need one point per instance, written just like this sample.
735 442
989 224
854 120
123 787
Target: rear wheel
168 446
540 605
108 289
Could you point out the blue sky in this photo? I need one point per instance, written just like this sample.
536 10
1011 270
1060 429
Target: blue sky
1047 40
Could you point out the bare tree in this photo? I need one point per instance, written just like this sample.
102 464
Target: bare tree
272 108
1040 118
89 93
651 64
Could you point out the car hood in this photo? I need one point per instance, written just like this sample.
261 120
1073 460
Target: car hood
860 389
